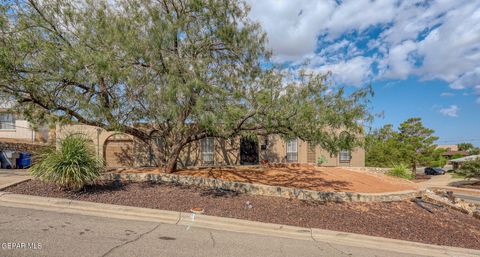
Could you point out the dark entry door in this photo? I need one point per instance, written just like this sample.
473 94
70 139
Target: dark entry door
248 151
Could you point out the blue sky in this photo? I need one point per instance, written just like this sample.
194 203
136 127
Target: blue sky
422 57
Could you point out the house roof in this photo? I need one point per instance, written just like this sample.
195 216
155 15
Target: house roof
450 153
466 158
448 147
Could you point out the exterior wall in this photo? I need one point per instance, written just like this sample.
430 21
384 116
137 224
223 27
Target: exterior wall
226 152
22 131
137 153
276 152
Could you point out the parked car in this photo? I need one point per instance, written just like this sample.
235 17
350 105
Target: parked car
434 171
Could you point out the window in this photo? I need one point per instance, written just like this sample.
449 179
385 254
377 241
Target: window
292 151
7 121
207 145
345 156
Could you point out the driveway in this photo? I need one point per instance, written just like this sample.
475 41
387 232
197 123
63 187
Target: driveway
10 177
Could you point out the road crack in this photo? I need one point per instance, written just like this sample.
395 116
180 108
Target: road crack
213 239
330 245
130 241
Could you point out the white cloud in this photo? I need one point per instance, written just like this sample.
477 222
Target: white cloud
292 26
430 39
356 71
447 94
451 111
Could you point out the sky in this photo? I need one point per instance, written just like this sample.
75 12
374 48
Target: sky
422 57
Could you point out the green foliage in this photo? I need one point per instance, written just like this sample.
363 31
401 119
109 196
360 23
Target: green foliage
187 69
401 171
468 147
412 144
470 169
457 155
436 159
382 148
70 166
321 160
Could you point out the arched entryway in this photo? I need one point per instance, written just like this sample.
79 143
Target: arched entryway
118 151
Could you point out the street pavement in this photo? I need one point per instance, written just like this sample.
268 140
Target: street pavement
61 234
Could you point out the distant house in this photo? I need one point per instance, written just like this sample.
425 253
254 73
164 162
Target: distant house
457 163
454 154
13 127
451 151
448 147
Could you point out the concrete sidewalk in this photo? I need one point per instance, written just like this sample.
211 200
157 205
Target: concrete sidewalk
227 224
10 177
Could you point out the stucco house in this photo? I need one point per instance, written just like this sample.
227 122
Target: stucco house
14 127
121 150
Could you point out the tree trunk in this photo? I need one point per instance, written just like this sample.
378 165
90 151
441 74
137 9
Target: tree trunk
171 164
414 170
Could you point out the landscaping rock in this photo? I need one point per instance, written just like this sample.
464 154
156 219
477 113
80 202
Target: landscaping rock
264 190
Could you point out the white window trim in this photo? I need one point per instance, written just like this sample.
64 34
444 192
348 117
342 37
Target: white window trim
344 153
9 126
207 154
292 150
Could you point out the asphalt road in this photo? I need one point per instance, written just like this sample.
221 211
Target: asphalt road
59 234
468 198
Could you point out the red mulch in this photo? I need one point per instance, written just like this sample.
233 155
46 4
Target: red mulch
399 220
325 179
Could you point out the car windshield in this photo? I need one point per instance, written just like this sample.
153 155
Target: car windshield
438 169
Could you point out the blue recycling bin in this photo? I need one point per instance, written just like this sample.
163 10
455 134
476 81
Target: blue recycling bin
24 160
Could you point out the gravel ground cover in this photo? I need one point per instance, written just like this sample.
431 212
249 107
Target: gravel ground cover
399 220
325 179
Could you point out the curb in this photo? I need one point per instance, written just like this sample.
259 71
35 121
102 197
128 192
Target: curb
227 224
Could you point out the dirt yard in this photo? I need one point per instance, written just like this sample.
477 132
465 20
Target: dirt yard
326 179
399 220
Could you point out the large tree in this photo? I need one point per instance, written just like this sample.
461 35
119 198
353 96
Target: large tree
411 144
417 142
187 69
382 149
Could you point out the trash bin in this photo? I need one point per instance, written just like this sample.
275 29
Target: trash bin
24 160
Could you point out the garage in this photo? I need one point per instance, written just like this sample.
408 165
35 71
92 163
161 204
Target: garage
118 151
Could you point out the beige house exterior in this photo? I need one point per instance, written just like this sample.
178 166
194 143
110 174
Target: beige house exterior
121 150
13 126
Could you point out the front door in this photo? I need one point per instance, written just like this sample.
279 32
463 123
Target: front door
248 151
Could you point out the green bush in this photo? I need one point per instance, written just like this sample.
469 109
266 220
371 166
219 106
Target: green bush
470 169
71 165
401 171
321 160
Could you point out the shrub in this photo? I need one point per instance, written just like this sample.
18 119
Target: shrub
321 160
470 169
71 165
401 171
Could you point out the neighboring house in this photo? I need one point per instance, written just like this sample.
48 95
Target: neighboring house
454 154
457 163
448 147
18 139
121 150
14 128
